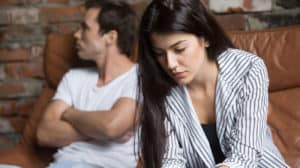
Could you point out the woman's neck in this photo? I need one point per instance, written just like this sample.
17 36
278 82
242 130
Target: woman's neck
206 78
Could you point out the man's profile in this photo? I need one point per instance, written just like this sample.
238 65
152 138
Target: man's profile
91 118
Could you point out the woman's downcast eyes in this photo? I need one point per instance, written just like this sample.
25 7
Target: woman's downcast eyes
179 50
163 53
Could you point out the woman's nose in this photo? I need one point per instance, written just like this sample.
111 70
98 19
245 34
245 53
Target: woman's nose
171 61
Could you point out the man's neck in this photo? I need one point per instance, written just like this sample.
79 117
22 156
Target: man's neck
114 66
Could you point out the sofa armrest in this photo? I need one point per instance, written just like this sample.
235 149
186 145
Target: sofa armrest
26 157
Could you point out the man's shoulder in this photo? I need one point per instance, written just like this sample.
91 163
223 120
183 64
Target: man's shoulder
77 72
82 71
125 82
133 71
129 76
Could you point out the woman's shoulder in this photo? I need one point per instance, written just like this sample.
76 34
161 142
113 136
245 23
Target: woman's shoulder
177 91
233 55
235 64
177 94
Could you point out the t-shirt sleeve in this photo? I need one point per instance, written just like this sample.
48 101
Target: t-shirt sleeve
130 89
63 91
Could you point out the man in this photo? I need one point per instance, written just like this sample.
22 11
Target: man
92 115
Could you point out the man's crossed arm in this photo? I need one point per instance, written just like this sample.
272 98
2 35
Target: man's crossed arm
63 124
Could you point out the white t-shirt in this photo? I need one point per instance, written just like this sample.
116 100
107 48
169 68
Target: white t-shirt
78 89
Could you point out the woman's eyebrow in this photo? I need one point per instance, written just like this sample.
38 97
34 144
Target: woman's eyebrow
178 42
172 45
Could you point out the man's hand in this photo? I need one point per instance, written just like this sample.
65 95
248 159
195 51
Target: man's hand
125 137
65 114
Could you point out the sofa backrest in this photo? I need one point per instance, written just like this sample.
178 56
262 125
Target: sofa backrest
280 50
60 56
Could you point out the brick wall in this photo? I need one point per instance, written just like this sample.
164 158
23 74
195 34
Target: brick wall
24 25
23 28
255 14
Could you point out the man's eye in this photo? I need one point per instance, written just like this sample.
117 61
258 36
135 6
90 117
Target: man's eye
83 26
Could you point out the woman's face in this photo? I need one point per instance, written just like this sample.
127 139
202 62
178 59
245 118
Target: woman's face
181 55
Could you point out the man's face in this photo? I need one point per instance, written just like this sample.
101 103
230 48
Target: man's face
89 40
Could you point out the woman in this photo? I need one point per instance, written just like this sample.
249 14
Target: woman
205 103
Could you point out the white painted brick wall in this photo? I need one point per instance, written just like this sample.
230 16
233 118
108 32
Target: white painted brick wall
243 5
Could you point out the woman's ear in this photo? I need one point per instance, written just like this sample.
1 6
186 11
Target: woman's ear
206 43
111 37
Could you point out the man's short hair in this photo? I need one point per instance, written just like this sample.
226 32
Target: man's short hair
118 16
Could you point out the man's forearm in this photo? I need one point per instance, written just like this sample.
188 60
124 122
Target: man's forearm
113 124
91 124
58 134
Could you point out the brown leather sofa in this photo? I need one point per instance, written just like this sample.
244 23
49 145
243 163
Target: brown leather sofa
280 49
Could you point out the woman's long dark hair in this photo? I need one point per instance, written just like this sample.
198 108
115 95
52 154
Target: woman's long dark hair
168 16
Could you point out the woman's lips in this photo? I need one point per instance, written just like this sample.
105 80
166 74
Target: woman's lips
179 74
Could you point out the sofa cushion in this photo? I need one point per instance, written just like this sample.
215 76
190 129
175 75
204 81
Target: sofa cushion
26 157
284 120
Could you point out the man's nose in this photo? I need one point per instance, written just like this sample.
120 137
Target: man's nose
77 34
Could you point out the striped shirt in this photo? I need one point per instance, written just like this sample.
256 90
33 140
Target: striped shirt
241 118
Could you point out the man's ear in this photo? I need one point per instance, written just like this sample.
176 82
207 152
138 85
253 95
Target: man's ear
111 37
